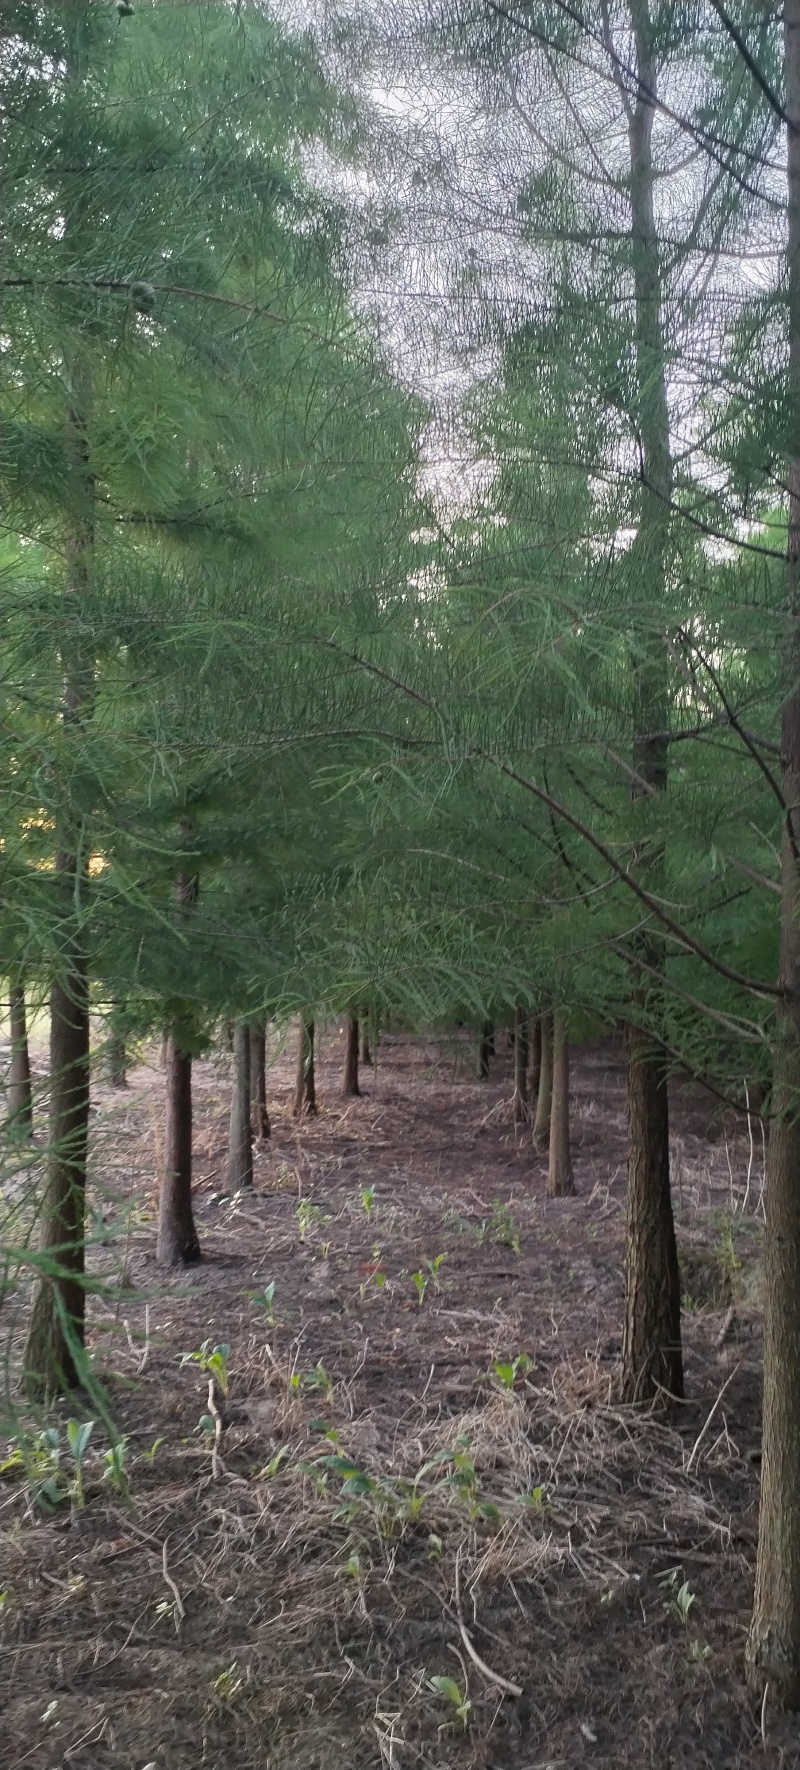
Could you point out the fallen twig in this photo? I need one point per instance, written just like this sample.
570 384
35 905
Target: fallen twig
701 1434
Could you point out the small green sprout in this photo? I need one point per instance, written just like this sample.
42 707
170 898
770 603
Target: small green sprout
318 1379
368 1199
78 1436
452 1693
271 1468
508 1374
307 1215
681 1600
114 1462
214 1359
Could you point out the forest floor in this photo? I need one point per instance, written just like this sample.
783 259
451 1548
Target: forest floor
579 1571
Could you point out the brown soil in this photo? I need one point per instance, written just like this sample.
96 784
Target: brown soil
259 1613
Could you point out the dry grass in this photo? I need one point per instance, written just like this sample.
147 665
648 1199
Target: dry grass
281 1615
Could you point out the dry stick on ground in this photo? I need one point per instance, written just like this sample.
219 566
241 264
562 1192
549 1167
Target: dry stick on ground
216 1461
493 1677
178 1610
701 1434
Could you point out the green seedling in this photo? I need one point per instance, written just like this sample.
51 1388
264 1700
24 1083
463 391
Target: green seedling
265 1300
39 1457
150 1455
207 1425
455 1696
420 1283
368 1199
536 1499
315 1474
307 1215
213 1359
503 1227
114 1462
681 1599
427 1275
353 1566
79 1433
271 1468
318 1379
509 1374
228 1683
326 1430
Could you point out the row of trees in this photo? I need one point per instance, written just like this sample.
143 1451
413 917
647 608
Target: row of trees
282 735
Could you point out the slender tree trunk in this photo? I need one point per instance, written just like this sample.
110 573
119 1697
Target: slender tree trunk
55 1342
117 1062
366 1054
258 1081
560 1180
773 1648
305 1097
56 1331
20 1099
541 1123
485 1049
534 1063
521 1112
240 1135
177 1243
350 1082
651 1354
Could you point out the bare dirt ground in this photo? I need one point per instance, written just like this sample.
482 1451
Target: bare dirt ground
576 1574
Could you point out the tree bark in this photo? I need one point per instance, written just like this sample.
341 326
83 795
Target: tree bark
305 1097
54 1348
240 1135
652 1336
773 1648
177 1242
560 1182
116 1057
485 1049
651 1347
541 1123
20 1099
520 1105
350 1085
366 1054
534 1063
258 1082
56 1331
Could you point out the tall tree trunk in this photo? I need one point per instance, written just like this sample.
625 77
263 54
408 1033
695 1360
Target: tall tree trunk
520 1107
258 1081
177 1242
651 1351
560 1180
55 1342
116 1053
773 1648
366 1054
534 1063
485 1049
56 1330
541 1123
240 1134
350 1081
20 1099
651 1354
305 1096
